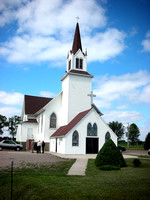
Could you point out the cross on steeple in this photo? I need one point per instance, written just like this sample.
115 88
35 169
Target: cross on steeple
77 18
92 95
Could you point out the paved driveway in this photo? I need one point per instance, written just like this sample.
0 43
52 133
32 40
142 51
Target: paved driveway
136 152
6 157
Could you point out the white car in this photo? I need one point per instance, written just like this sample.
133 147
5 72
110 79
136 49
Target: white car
9 144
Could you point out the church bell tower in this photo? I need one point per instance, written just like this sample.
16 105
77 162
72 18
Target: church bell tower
76 83
76 58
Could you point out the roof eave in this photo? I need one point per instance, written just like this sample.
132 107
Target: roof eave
76 74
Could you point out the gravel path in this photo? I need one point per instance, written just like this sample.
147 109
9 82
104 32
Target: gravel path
26 157
136 152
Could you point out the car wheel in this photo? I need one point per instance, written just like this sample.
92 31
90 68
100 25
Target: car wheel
18 149
1 149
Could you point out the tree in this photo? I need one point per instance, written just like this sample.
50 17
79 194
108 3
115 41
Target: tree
147 142
13 124
110 155
117 128
3 120
134 133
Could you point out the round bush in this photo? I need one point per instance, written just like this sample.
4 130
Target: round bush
137 162
110 155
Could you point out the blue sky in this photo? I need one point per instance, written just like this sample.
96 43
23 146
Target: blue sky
35 37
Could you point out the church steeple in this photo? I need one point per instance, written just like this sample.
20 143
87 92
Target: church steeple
77 41
76 59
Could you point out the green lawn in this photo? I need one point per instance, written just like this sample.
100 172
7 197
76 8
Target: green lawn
51 182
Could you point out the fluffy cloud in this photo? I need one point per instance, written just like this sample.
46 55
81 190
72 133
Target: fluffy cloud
146 42
106 45
44 30
47 94
13 98
10 111
116 94
133 88
123 116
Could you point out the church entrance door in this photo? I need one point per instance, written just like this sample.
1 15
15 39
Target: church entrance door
91 145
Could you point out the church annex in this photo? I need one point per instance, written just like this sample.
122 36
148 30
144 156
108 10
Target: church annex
69 123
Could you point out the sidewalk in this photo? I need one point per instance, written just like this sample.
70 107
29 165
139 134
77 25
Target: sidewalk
79 167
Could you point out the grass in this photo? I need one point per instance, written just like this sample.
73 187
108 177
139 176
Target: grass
51 182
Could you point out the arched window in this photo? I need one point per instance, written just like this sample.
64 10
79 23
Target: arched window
89 129
75 138
107 136
95 129
53 120
92 131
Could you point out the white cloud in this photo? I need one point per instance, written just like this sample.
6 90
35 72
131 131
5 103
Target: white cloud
31 49
47 94
123 116
45 31
13 98
145 94
146 42
8 10
104 46
122 107
56 16
133 88
10 111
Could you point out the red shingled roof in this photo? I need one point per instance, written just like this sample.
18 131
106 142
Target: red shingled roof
77 40
63 130
34 103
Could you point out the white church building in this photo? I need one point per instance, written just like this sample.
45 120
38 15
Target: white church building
69 123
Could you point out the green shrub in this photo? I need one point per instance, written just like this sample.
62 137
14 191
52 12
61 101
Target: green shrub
147 142
109 167
110 155
137 162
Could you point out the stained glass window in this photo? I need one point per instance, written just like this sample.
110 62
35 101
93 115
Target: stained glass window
89 129
75 139
95 129
53 120
92 131
107 136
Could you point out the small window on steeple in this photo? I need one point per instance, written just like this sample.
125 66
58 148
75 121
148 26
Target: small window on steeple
69 65
79 63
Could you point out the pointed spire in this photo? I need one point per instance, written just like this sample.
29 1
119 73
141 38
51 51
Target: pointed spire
77 40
